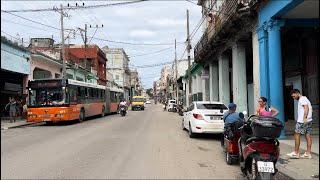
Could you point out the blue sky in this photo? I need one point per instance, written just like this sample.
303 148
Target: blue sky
144 22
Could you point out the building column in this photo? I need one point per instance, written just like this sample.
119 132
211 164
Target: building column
256 68
275 69
224 84
263 61
203 86
214 82
239 77
187 93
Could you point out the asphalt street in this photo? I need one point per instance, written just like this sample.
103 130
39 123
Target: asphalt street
146 144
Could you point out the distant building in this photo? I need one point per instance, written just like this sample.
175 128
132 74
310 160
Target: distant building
91 58
118 66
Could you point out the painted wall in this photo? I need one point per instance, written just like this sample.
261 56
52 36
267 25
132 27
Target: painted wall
41 62
15 60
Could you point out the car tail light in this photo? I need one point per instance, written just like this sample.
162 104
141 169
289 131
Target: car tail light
197 116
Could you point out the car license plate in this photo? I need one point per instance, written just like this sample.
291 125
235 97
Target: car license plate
265 166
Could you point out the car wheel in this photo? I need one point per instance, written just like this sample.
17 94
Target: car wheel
191 134
182 125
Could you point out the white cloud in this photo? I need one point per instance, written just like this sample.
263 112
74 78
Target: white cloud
142 33
166 22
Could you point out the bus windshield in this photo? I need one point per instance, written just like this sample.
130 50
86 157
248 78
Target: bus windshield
47 97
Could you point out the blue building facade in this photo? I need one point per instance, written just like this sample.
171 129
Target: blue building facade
279 22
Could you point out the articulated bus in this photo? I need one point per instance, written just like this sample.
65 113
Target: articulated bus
53 100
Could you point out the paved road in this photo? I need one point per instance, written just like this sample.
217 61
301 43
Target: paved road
144 144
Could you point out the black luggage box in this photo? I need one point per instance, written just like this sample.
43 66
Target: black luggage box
266 127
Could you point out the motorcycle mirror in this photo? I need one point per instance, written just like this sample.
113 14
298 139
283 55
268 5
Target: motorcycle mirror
241 115
245 112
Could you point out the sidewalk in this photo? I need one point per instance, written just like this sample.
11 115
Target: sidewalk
299 168
6 124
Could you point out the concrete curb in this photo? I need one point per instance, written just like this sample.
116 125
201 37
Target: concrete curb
20 125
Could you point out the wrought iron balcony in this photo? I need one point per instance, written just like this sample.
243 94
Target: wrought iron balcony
224 21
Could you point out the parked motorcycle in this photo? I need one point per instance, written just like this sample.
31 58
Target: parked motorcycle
230 142
259 147
180 109
123 110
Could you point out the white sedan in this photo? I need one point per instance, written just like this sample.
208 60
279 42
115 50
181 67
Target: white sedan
204 117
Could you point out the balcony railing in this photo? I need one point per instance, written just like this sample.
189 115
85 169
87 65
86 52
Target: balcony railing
227 12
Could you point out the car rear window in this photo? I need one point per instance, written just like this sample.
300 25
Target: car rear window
211 106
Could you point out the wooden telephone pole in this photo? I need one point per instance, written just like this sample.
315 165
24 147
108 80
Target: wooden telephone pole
176 70
189 58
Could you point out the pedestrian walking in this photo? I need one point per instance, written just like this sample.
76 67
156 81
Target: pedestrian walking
303 124
264 110
12 106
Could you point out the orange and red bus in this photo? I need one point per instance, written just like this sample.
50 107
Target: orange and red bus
53 100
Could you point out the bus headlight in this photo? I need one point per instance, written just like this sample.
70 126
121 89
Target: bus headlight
59 115
32 115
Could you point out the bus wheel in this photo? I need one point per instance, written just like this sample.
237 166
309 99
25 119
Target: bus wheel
103 113
82 115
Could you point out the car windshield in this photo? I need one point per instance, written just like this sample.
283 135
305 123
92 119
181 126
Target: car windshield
138 100
45 97
211 106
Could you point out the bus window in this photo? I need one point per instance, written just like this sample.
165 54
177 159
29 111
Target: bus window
73 92
87 92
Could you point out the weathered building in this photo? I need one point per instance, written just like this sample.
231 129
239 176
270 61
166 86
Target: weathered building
15 68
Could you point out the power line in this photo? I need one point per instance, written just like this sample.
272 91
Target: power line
96 38
34 27
155 65
76 7
155 52
31 20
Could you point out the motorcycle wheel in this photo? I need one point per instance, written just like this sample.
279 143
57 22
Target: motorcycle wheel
252 172
265 176
228 159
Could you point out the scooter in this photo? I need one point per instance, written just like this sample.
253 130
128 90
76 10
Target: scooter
230 144
259 147
123 110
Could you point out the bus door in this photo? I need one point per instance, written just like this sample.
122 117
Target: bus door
107 100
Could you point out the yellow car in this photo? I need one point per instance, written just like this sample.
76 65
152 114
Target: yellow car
138 103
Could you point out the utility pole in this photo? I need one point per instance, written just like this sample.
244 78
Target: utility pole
176 69
62 44
189 58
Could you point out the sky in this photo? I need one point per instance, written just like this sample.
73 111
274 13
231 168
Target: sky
149 22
